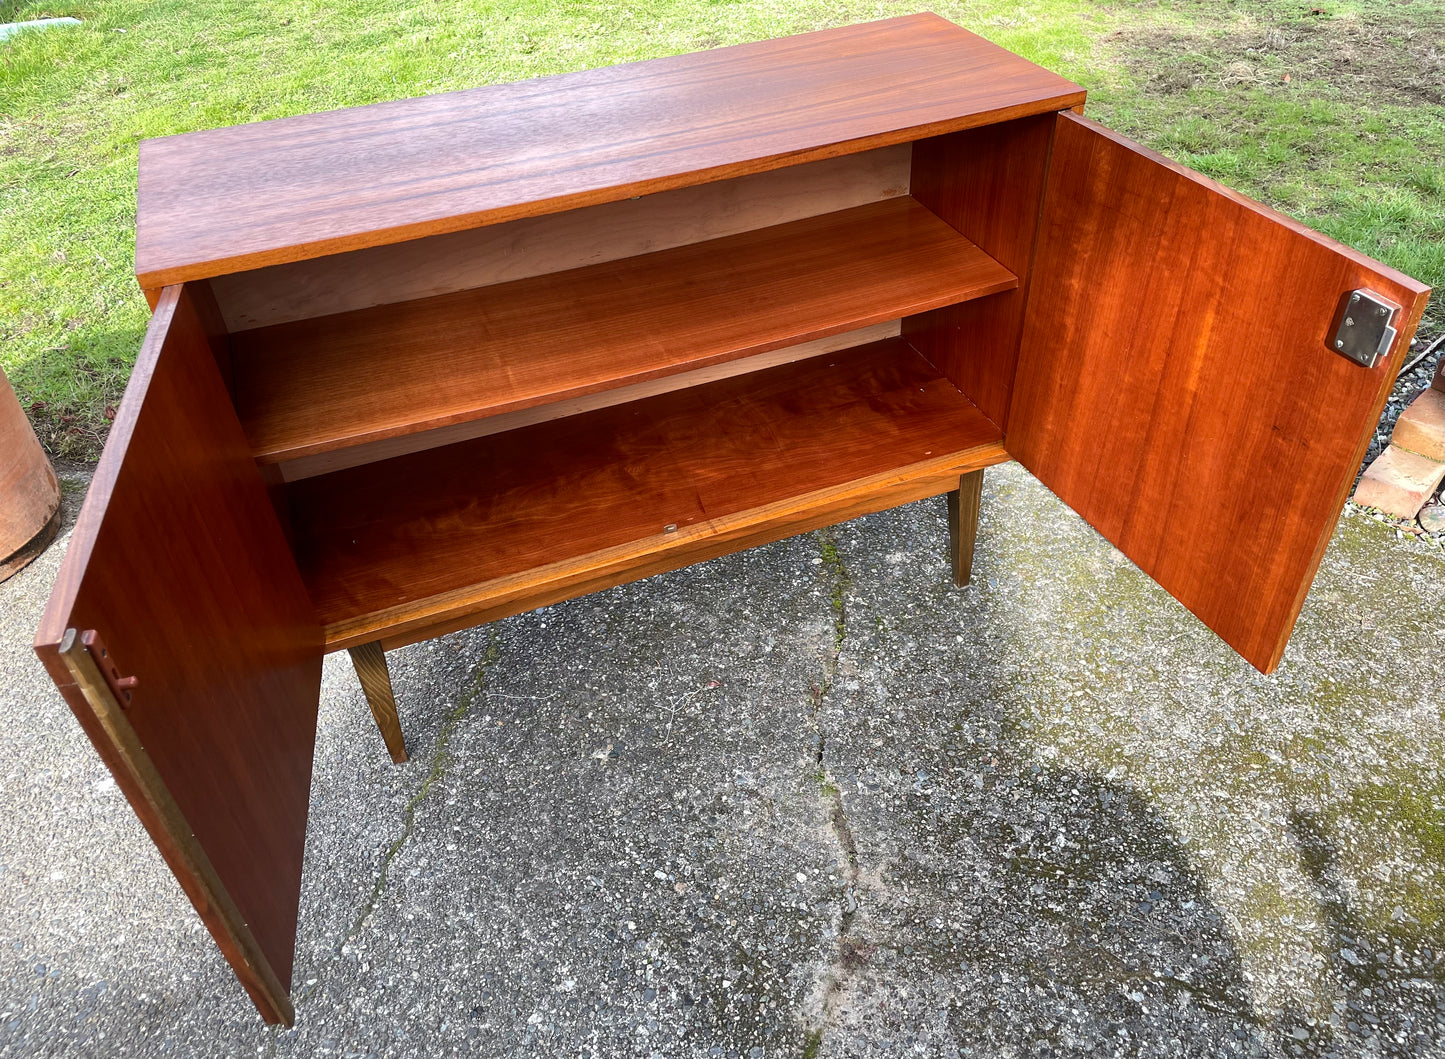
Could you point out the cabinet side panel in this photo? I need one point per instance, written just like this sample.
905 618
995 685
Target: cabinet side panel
178 563
1174 385
988 184
202 298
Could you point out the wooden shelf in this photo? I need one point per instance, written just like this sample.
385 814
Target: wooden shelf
402 549
318 385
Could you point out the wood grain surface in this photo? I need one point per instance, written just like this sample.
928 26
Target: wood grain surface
232 199
88 661
370 663
987 183
624 491
963 505
577 576
178 562
1174 385
314 385
555 242
372 452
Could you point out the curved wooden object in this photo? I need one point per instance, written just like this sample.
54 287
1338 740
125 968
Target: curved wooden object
29 490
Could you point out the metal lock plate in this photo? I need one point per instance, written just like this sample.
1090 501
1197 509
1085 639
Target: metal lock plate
1364 327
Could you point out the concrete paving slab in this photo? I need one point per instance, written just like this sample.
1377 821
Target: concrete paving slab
806 801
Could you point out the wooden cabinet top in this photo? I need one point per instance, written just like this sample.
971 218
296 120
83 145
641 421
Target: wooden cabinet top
227 200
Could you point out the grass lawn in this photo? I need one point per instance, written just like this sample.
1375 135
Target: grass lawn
1332 111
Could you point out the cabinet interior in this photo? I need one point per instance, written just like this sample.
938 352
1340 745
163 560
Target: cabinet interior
470 424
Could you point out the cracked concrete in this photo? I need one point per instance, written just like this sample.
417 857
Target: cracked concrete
821 1010
810 800
440 759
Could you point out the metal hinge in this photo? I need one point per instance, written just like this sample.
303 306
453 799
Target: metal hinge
1364 327
121 687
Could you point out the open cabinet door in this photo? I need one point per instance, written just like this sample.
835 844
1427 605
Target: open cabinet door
182 637
1174 383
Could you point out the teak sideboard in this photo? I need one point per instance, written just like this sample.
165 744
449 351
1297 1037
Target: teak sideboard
420 365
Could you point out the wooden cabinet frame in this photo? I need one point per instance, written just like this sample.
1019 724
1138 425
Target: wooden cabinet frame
421 365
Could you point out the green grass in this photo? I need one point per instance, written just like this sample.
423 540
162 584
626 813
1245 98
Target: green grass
1360 159
1350 144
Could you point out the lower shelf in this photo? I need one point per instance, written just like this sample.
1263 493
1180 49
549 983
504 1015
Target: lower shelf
411 547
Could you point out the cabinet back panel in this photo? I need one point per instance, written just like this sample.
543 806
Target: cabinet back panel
534 246
987 183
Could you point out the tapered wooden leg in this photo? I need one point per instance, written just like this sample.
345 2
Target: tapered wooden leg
963 524
370 665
